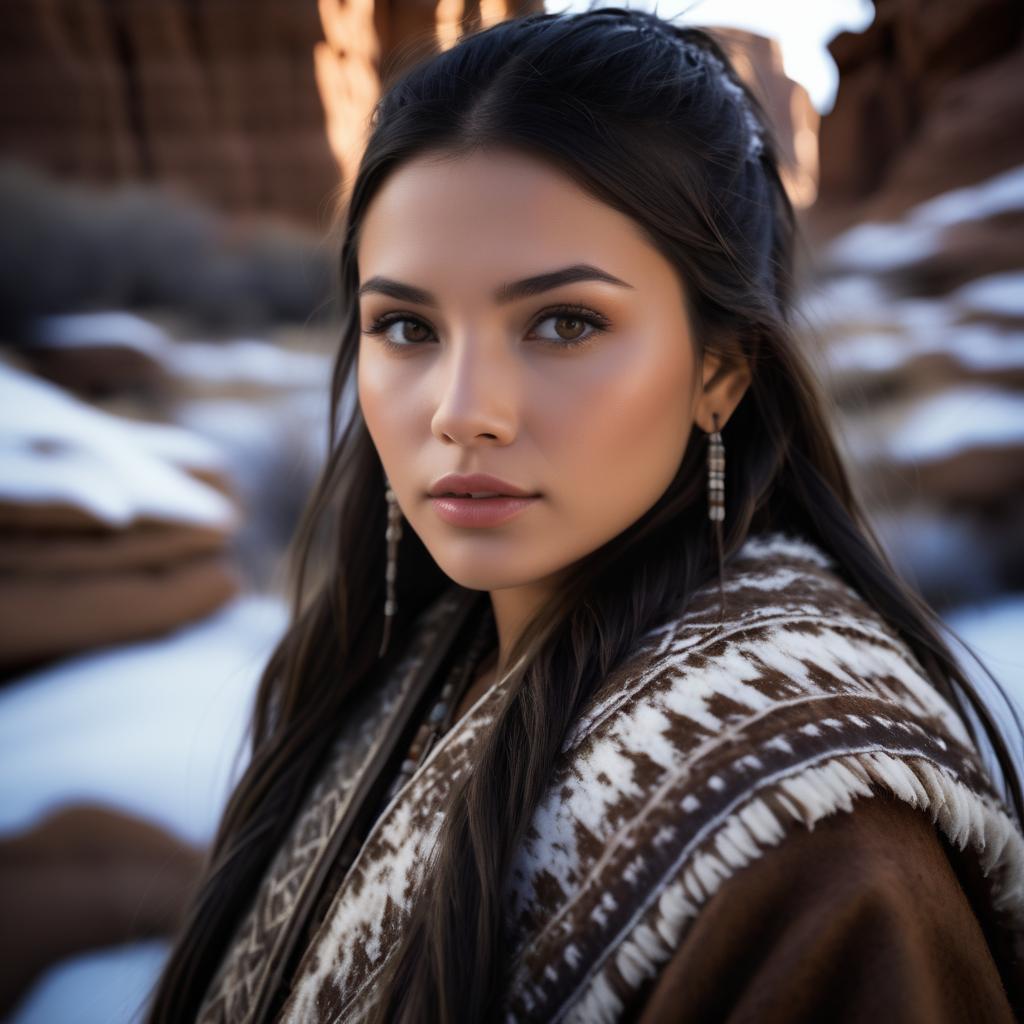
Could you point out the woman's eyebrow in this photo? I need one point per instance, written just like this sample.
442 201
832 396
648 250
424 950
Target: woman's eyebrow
506 293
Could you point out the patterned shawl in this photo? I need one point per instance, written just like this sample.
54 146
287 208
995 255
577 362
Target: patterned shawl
703 749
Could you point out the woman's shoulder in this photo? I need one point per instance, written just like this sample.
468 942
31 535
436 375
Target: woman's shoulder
792 633
870 914
717 747
798 667
788 592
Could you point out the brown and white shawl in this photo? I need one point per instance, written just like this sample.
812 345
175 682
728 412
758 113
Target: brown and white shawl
703 749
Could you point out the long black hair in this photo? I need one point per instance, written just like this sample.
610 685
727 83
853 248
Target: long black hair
650 118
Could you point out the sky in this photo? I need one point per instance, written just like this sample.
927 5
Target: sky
802 27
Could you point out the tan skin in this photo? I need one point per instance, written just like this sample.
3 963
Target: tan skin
477 385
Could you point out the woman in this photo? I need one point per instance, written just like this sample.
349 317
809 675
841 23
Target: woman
570 730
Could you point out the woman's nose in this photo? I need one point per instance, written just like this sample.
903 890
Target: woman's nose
477 395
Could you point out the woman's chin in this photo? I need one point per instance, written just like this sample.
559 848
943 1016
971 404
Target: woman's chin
478 569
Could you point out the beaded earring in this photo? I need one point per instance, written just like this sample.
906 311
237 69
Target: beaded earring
716 474
716 513
392 535
716 496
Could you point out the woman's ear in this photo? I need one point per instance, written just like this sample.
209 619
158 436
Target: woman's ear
724 380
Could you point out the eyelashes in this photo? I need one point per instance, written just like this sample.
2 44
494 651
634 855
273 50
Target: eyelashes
597 321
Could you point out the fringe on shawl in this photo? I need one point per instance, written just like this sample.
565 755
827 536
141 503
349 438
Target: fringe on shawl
808 796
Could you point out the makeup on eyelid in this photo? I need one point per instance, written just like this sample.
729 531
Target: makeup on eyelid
596 321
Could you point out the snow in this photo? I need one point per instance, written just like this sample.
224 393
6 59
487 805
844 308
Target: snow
993 631
183 448
871 330
106 986
153 728
881 246
958 418
977 347
55 448
248 360
857 303
240 360
848 297
257 435
156 729
996 294
113 327
1002 193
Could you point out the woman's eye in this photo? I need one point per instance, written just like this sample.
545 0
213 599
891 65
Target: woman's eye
399 331
408 331
569 328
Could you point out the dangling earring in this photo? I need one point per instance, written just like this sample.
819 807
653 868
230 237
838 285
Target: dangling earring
392 535
716 497
716 474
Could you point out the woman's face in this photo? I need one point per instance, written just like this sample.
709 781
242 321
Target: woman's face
582 392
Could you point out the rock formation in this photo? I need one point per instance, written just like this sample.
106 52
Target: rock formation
918 293
221 98
111 530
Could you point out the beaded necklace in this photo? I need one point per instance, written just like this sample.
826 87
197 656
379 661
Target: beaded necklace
435 725
440 717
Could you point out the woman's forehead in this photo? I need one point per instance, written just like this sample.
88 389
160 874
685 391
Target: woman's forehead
494 216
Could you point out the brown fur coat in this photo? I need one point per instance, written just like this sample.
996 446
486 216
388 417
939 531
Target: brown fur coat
713 746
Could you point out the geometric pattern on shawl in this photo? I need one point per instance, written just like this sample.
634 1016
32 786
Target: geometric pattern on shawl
704 748
687 770
232 994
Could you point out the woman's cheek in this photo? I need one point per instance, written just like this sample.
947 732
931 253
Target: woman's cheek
381 393
628 433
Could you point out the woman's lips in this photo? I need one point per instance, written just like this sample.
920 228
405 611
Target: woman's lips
480 511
